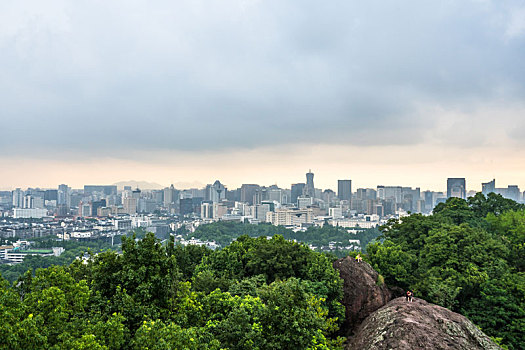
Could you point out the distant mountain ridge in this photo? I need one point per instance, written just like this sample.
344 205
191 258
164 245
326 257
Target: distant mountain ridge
144 185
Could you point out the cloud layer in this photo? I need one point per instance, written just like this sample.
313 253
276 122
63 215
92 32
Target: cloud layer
111 78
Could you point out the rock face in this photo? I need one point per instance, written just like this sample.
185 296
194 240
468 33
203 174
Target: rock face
418 325
363 294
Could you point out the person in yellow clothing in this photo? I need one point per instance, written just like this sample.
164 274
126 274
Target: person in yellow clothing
358 257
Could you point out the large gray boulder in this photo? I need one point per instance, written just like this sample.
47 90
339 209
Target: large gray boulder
363 292
418 325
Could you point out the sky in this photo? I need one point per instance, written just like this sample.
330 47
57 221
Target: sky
380 92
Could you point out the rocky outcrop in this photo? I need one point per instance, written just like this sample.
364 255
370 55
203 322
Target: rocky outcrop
418 325
364 293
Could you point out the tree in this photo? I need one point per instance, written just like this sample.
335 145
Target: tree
493 203
467 256
455 211
293 318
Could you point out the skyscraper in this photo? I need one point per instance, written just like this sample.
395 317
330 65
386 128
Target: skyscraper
18 198
297 191
248 193
390 192
488 187
344 189
309 190
216 192
186 206
456 187
170 196
64 196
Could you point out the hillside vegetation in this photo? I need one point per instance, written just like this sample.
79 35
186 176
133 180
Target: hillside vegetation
225 232
254 294
469 256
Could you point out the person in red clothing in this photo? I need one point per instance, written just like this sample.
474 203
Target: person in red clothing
409 295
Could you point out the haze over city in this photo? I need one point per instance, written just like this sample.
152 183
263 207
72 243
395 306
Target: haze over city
262 174
406 93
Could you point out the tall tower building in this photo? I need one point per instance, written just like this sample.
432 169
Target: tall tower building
216 192
344 190
309 190
170 195
64 196
456 187
18 198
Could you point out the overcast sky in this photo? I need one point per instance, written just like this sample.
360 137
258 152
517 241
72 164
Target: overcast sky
382 92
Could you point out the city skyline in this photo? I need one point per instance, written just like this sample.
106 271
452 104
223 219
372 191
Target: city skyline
255 202
383 93
351 188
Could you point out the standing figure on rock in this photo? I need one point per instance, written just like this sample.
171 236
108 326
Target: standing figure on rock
409 295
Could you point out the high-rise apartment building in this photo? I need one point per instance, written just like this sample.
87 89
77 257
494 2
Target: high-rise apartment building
456 187
18 198
64 196
344 190
170 196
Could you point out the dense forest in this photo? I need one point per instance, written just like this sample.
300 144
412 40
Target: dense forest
254 294
469 256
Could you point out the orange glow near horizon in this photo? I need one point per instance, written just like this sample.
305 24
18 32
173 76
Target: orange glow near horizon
367 167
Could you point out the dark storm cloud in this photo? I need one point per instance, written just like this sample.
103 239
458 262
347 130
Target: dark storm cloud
206 75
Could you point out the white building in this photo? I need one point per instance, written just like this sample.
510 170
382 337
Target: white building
336 213
303 202
19 213
290 217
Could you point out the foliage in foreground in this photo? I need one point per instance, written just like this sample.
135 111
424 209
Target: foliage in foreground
254 294
468 256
